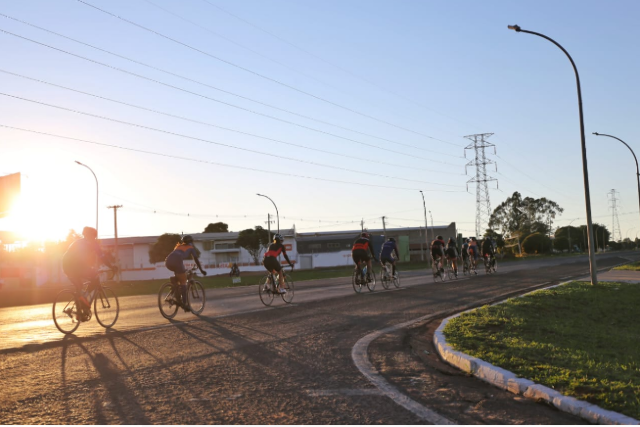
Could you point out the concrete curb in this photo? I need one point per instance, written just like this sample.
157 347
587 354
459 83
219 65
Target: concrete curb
507 380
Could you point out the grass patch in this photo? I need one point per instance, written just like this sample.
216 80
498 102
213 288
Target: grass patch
634 266
578 339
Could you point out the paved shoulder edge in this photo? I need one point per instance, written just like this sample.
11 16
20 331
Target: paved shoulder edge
507 380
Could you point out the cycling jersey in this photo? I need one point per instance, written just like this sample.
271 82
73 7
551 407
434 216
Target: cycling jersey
452 250
83 254
437 244
276 249
363 244
487 247
174 260
387 249
465 250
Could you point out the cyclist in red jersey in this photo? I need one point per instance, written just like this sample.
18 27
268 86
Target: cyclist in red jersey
361 250
271 263
437 252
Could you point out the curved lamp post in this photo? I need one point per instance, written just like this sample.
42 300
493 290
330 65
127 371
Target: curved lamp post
274 205
426 227
634 156
94 175
592 257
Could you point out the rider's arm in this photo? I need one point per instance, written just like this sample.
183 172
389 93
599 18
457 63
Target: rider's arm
197 261
284 253
395 250
371 250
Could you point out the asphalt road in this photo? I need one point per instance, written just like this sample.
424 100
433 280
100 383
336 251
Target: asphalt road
240 362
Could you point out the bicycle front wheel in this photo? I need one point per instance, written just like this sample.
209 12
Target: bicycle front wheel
64 312
106 307
371 284
288 287
356 280
450 274
167 301
494 267
196 297
396 279
264 289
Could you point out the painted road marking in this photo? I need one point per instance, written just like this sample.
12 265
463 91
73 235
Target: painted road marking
345 392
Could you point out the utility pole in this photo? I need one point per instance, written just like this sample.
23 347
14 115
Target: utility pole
426 228
422 244
480 162
115 231
362 225
384 229
615 223
269 225
433 230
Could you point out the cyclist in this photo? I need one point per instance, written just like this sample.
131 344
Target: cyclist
386 254
465 251
452 254
271 260
184 249
437 252
473 253
235 271
361 250
80 263
488 250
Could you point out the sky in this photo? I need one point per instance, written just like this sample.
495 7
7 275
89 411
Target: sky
338 111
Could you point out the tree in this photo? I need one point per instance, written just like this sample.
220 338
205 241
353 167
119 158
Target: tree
561 243
519 216
574 234
163 247
536 243
218 227
253 241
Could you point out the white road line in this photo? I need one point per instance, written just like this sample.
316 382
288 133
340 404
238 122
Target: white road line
361 360
345 392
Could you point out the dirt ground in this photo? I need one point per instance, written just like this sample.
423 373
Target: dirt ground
408 360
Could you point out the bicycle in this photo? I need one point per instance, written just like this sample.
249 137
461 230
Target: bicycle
490 264
360 279
448 269
387 278
466 266
170 298
106 307
268 288
437 274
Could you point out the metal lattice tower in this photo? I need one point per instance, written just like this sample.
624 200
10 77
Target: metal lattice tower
615 223
483 204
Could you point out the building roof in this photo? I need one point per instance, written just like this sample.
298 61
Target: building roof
232 235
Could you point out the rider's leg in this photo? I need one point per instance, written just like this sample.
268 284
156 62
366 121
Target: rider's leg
393 267
369 268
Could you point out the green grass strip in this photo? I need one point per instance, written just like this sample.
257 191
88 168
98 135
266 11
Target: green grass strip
579 339
634 266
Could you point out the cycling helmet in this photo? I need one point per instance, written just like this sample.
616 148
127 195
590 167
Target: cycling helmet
187 239
439 238
466 240
89 232
391 239
278 237
365 235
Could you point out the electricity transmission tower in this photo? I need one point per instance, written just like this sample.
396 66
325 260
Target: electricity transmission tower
480 162
616 233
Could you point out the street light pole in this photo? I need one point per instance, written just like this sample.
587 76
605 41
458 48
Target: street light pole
585 172
569 230
634 157
426 227
94 175
274 205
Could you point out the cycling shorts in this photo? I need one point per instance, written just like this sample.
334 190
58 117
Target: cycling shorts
360 255
436 253
271 263
175 264
387 259
451 253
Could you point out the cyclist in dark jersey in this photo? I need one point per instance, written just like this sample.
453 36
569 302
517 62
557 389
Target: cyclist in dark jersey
81 262
184 249
488 250
361 250
452 254
386 253
437 251
473 253
271 260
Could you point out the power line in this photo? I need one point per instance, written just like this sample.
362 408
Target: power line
262 75
279 156
337 66
225 103
211 124
219 164
210 87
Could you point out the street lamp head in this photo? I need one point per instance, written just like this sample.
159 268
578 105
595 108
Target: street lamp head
514 27
596 133
79 163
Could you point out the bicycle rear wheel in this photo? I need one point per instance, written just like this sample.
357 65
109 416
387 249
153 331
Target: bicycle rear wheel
494 267
437 275
106 307
384 277
64 312
449 271
371 284
264 289
167 301
356 281
288 286
196 297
